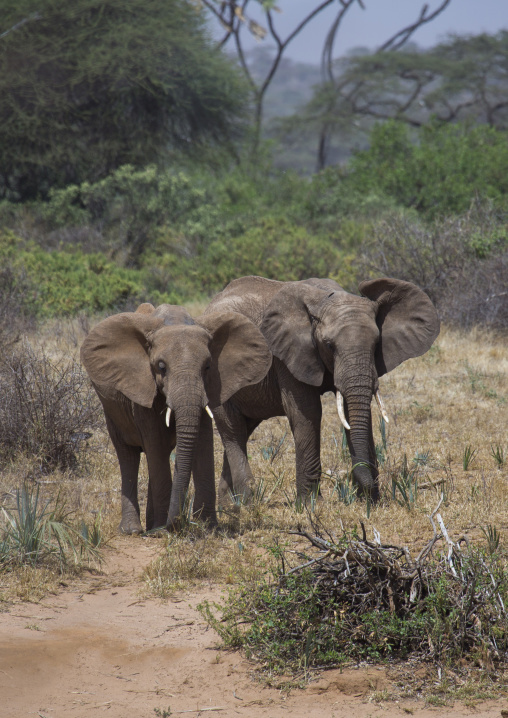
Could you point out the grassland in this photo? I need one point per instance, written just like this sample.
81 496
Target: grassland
447 433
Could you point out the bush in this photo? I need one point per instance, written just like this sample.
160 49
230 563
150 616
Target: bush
274 248
352 600
60 283
461 262
438 173
127 206
47 408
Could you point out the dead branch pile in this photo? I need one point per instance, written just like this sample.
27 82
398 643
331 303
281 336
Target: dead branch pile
445 603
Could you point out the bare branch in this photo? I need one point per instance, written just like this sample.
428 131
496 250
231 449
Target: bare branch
402 36
34 16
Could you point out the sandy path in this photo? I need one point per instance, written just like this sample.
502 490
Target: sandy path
101 649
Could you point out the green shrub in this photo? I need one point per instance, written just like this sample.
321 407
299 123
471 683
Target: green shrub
59 283
356 600
439 171
274 248
38 532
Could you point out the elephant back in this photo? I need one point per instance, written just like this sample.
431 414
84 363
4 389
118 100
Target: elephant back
247 295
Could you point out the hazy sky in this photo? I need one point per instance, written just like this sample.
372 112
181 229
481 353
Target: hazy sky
381 19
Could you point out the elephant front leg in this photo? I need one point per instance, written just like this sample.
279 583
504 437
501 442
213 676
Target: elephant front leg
304 414
128 458
159 489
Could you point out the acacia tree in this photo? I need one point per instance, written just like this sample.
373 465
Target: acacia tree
91 85
235 20
462 78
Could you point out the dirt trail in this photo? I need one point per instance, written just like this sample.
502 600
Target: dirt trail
101 649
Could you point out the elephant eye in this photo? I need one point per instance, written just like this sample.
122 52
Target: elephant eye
329 344
207 366
162 367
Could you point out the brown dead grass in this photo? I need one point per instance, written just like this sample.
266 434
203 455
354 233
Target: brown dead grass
453 397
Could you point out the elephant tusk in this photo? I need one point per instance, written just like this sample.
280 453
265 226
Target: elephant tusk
209 411
340 409
381 407
168 416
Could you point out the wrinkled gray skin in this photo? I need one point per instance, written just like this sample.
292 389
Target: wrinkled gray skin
322 339
142 363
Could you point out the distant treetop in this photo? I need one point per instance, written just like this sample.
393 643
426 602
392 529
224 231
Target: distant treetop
91 85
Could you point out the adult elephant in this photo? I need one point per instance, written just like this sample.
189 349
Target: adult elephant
322 339
156 372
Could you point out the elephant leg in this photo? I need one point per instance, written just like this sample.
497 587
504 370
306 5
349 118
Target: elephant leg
204 475
128 458
225 482
235 429
159 488
302 406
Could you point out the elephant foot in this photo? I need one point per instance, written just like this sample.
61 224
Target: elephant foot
234 498
309 494
174 525
159 523
208 520
130 527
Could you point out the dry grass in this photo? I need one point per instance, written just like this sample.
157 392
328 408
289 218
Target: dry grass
452 398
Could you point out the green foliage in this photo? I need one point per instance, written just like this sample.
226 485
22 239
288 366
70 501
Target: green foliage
37 532
273 248
497 453
468 457
93 85
128 206
441 173
405 484
63 283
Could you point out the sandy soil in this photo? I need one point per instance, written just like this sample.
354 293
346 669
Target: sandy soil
100 648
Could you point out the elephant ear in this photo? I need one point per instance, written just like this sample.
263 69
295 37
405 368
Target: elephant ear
240 355
115 355
287 327
407 320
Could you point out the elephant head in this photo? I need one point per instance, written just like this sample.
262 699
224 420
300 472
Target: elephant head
193 364
315 326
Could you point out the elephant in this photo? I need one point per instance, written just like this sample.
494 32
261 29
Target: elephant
322 338
157 373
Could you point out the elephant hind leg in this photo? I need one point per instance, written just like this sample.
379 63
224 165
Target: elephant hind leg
236 478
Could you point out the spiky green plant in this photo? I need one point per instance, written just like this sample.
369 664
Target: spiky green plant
37 531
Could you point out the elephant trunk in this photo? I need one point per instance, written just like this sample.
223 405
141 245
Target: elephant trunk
357 388
188 413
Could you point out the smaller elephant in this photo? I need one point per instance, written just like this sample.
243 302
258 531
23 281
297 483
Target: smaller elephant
157 373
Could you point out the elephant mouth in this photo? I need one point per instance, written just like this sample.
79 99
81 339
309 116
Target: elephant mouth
342 415
168 414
